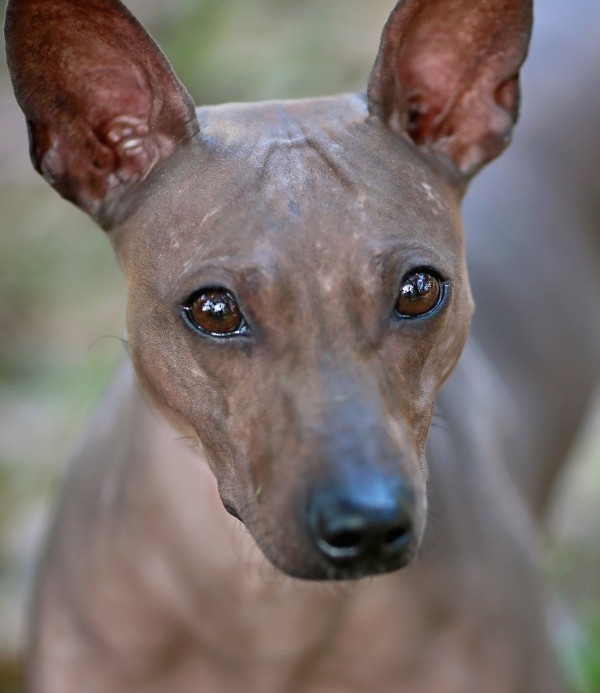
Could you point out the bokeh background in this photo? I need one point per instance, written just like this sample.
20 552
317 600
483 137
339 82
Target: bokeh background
62 298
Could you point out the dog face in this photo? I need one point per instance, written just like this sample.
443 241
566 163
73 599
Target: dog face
297 284
316 374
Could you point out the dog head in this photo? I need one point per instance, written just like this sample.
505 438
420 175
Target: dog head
297 283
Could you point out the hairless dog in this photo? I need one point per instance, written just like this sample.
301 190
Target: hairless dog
298 295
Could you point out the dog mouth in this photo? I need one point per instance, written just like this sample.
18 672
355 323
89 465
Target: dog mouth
338 552
367 568
233 512
311 567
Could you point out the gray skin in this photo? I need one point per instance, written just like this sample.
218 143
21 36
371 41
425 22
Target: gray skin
312 212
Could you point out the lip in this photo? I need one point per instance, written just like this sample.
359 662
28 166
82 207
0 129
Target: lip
324 572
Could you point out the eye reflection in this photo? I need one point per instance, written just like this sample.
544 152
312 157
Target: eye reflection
420 293
216 312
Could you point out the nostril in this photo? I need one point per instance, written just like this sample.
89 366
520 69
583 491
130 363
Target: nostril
397 535
344 540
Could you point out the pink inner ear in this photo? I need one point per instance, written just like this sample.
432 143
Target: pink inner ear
103 136
101 101
128 137
428 84
447 75
114 106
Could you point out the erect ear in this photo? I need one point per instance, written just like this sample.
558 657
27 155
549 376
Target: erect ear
447 75
102 104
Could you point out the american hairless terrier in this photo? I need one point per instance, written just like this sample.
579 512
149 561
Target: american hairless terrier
298 295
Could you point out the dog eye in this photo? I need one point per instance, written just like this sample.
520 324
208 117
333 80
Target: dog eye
421 292
216 312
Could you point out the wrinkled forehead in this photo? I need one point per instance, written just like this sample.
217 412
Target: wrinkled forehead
317 179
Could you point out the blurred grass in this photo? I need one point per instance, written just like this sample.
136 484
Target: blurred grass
230 51
60 288
574 561
581 655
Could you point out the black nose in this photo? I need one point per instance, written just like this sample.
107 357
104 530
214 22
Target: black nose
363 528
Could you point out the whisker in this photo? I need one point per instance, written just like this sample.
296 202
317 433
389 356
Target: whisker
122 341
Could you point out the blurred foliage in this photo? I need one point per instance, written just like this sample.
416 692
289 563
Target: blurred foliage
574 563
234 51
581 657
11 676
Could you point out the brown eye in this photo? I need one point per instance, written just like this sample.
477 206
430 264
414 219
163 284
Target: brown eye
216 311
421 292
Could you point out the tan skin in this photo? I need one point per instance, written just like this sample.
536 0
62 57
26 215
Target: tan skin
298 296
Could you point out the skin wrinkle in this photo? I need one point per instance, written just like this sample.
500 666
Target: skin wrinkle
277 156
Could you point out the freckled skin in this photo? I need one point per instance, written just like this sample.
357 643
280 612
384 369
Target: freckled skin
311 213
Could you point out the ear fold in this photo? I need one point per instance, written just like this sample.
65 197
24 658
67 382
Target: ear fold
447 75
102 104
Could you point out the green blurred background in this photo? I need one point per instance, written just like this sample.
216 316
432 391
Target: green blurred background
62 298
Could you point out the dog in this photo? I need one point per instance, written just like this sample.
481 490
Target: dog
298 297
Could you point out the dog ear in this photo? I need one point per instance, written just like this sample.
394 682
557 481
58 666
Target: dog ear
447 75
102 104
